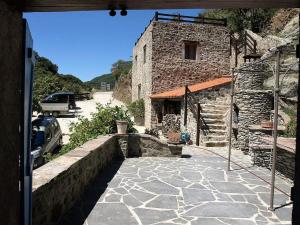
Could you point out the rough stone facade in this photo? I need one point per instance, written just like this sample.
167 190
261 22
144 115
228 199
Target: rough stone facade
11 58
58 184
171 122
253 103
166 68
261 153
254 106
204 97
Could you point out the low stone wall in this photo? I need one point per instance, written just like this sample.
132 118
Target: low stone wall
143 145
59 184
170 122
260 152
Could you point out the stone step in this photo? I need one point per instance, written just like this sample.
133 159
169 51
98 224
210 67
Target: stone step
209 110
215 137
215 106
217 126
209 121
215 143
217 131
212 115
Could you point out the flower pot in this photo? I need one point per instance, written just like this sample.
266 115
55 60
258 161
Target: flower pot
122 126
174 137
266 124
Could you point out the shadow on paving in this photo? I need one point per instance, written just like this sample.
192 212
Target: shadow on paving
82 208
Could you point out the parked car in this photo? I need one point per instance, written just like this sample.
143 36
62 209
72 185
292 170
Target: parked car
58 103
46 137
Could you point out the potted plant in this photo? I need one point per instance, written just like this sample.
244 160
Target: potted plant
122 126
174 135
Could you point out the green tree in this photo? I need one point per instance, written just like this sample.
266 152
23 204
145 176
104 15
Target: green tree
240 19
47 80
120 67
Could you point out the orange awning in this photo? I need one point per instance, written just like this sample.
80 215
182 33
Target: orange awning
179 92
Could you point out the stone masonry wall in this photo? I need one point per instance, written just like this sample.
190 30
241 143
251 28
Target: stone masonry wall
58 184
204 97
142 72
254 106
171 70
253 102
261 151
171 122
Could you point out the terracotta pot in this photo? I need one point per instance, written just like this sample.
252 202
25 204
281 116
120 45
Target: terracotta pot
122 126
266 124
174 137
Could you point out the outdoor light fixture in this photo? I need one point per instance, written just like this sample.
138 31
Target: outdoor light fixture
123 12
112 12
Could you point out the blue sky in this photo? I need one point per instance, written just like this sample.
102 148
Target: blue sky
86 44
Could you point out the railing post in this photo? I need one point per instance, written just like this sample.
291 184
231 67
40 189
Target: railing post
255 43
185 105
275 129
198 124
156 16
245 45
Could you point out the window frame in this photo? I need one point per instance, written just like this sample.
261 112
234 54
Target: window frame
187 54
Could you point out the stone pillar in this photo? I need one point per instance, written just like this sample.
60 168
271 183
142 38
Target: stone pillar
123 143
254 104
10 112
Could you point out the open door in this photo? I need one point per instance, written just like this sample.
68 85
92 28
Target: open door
26 98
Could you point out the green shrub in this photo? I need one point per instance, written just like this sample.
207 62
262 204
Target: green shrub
137 108
291 127
103 122
152 132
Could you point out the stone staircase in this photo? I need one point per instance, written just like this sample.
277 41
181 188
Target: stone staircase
213 123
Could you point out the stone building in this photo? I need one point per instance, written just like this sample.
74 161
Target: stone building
172 54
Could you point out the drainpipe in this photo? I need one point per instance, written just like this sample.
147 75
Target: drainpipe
275 127
230 118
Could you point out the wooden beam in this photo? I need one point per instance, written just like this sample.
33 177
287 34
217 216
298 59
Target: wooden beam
82 5
198 124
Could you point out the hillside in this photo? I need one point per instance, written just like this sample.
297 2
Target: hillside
122 90
96 82
47 80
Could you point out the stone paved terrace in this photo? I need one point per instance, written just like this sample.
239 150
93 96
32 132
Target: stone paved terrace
195 189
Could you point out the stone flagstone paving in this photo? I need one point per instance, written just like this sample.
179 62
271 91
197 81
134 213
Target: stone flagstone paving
195 190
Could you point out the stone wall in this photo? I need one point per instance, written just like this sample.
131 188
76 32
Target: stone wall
171 70
11 58
142 72
204 97
143 145
252 77
254 106
261 154
171 122
58 184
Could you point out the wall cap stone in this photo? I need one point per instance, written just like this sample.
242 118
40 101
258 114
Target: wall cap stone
51 170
